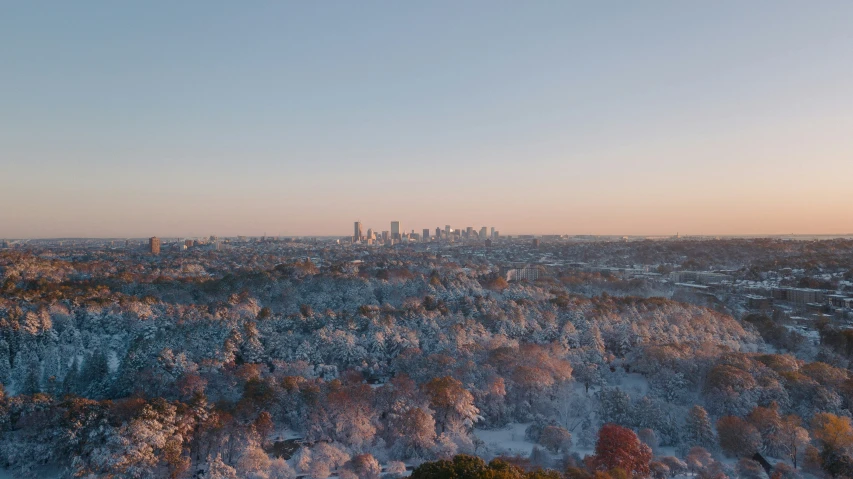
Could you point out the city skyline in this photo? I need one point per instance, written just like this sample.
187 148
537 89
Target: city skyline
547 118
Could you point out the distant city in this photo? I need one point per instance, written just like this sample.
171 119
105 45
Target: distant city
396 235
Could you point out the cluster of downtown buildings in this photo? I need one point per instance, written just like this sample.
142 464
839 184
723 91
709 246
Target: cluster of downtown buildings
396 234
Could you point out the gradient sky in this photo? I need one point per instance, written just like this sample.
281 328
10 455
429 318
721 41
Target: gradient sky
219 117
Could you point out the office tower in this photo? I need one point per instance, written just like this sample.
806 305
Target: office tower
426 234
493 232
483 233
447 231
154 245
469 232
497 235
370 233
395 230
385 236
357 232
437 233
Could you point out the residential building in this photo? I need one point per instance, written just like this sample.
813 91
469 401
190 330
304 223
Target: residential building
154 245
527 273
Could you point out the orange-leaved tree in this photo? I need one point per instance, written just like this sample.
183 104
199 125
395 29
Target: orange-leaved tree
619 448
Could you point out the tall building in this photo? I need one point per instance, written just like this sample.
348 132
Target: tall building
483 233
469 232
385 236
426 234
437 232
154 245
493 232
370 233
357 232
447 231
395 230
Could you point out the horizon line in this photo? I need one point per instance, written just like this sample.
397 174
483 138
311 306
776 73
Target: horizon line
504 236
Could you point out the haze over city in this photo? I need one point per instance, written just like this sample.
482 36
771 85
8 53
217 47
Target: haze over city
190 119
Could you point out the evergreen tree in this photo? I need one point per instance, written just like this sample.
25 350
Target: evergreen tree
616 407
5 366
50 370
25 374
135 360
252 351
698 430
71 379
94 376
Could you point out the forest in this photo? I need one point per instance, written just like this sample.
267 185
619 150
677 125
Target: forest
396 365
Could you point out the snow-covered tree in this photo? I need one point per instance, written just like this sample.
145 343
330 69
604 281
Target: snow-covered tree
217 469
698 430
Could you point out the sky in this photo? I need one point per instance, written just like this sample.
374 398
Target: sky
135 119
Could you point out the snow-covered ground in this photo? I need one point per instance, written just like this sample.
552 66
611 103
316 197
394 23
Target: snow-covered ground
509 441
634 384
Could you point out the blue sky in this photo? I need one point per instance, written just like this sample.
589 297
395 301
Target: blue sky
196 118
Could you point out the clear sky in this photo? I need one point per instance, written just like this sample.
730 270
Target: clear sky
295 118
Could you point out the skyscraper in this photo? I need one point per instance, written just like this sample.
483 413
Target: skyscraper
493 232
437 232
447 231
154 245
357 232
469 232
395 230
483 233
426 234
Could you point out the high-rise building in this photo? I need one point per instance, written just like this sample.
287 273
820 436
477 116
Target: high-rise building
535 242
385 236
493 232
437 233
426 234
483 233
154 245
357 232
395 230
469 232
370 233
447 231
